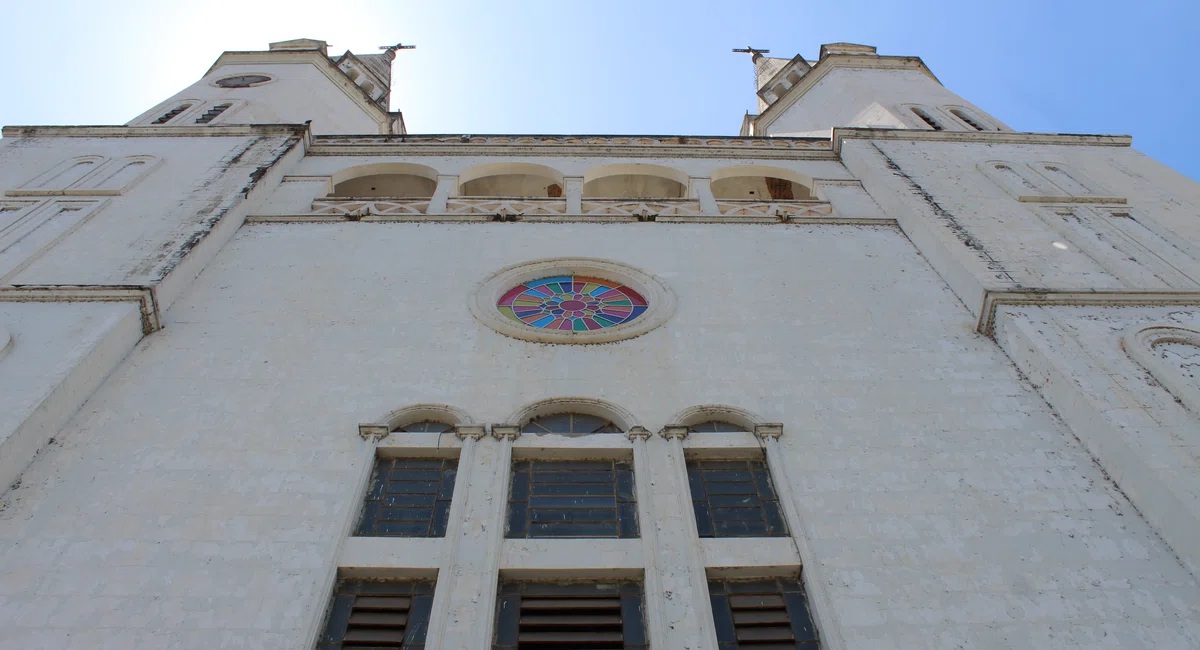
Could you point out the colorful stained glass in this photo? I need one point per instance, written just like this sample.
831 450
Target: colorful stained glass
572 303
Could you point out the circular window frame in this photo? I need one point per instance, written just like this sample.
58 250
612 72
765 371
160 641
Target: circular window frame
216 82
660 300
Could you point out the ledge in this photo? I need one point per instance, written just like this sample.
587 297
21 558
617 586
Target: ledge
214 131
992 300
988 137
143 295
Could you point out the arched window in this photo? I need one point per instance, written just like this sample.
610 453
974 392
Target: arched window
570 423
424 426
63 175
1065 179
212 113
171 114
927 118
715 426
970 120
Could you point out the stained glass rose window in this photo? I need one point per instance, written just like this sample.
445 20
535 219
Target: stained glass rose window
571 303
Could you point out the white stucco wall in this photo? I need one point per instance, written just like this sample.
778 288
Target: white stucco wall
202 498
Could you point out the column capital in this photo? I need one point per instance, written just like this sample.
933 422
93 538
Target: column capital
638 432
768 430
506 431
373 432
674 432
472 431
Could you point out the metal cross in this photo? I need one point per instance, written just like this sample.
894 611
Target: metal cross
397 46
752 51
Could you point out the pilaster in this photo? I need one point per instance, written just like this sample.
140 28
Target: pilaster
470 576
574 193
701 189
447 186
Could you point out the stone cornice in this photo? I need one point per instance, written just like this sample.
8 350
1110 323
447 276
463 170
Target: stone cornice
141 294
214 131
827 65
625 146
842 134
322 63
993 300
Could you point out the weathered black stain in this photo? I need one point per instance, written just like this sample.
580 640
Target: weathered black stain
215 208
948 219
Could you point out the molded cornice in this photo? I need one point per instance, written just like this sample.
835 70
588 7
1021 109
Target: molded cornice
989 137
215 131
681 146
992 300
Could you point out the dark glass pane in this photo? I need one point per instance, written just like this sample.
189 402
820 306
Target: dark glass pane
715 426
570 423
723 619
406 506
572 499
427 426
633 622
734 499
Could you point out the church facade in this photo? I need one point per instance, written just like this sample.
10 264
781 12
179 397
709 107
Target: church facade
879 372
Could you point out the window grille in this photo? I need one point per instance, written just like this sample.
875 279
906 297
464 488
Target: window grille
761 615
378 614
928 119
572 499
212 113
570 423
546 616
734 498
169 115
408 497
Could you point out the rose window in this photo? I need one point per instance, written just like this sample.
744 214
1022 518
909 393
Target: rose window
572 303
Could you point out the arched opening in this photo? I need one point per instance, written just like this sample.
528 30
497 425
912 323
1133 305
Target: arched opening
569 423
385 180
425 418
716 418
572 415
634 181
514 180
760 183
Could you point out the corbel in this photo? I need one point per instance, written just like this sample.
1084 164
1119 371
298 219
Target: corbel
768 430
373 432
674 432
506 431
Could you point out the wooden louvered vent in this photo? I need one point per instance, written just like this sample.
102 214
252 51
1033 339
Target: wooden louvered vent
762 615
379 615
571 622
378 621
591 616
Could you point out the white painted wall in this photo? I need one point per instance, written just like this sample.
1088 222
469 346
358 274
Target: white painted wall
202 498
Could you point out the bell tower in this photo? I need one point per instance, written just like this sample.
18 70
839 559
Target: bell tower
290 83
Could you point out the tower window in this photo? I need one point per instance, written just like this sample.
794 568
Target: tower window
600 616
927 118
734 498
966 117
592 498
408 497
761 614
378 614
212 113
170 115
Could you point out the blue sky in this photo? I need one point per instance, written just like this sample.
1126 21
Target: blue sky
629 66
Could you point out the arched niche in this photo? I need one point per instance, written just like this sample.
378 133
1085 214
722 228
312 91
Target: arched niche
761 182
392 180
634 181
623 419
694 415
1171 353
402 417
523 180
